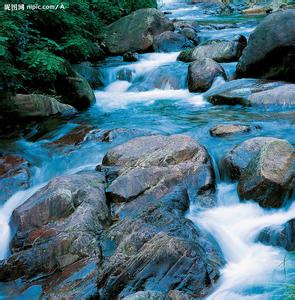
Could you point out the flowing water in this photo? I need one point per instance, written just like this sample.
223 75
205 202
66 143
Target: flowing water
139 95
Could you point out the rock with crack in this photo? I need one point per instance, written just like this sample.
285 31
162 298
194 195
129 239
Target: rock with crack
59 225
155 248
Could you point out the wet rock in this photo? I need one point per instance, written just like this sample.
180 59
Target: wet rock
256 10
253 92
130 56
279 236
270 52
269 176
191 34
136 31
74 138
235 162
90 72
59 225
229 129
74 89
116 135
218 50
155 247
164 77
14 175
32 106
170 41
76 281
147 295
202 73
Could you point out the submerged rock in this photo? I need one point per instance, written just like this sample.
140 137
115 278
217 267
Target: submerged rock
136 31
14 175
270 52
32 106
170 41
156 248
59 225
229 129
279 236
253 92
218 50
264 168
202 73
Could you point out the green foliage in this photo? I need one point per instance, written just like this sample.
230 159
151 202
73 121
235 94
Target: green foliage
44 65
35 44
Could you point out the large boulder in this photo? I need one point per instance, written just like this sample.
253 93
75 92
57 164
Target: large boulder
202 73
32 106
74 89
14 175
264 168
136 31
170 41
59 225
218 50
152 246
253 92
270 52
90 72
268 178
279 236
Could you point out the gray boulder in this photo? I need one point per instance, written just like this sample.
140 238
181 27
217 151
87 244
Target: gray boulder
170 41
270 52
253 92
155 248
58 226
74 89
268 178
136 31
202 73
218 50
32 106
90 72
279 236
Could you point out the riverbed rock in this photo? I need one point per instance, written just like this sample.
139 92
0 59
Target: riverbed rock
229 129
130 56
74 89
164 77
32 106
191 34
279 236
14 175
202 73
235 161
268 178
270 52
150 183
253 92
59 225
218 50
170 41
90 72
136 31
